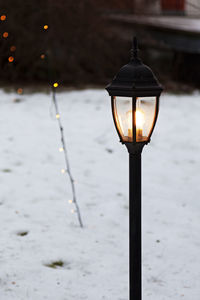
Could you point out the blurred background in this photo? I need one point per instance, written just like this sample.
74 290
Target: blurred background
78 46
86 42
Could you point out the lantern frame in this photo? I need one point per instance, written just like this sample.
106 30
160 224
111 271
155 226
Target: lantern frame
135 80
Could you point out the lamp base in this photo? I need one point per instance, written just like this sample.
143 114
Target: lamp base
135 148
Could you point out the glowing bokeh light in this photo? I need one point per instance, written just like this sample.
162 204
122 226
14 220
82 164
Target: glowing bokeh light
3 17
10 59
13 48
20 91
55 84
5 34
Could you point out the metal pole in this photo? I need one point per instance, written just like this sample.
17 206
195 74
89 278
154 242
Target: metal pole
135 226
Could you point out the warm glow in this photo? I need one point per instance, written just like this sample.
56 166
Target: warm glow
57 116
10 58
62 171
3 17
55 84
42 56
12 48
61 149
130 123
129 119
134 123
46 27
140 120
20 91
120 123
70 201
5 34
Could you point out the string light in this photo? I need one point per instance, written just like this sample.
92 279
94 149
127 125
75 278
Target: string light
70 201
3 17
19 91
55 84
5 34
13 48
10 59
67 170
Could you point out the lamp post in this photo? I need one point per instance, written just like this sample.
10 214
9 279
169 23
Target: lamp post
135 93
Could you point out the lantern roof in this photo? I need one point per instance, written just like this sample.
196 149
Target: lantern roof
134 79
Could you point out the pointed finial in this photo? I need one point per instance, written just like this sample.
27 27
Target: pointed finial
134 50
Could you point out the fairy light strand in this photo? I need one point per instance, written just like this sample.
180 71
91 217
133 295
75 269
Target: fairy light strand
64 150
67 169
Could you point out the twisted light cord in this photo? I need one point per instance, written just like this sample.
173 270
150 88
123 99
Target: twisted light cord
68 168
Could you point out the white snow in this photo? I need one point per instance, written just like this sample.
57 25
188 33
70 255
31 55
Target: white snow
34 199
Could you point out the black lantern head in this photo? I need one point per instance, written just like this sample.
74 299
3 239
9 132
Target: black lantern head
135 93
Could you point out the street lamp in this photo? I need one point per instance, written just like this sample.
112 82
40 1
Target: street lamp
135 93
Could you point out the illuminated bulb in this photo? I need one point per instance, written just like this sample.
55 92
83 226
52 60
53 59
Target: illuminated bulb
20 91
5 34
12 48
72 211
42 56
55 84
140 120
61 149
70 201
3 17
46 27
63 171
57 116
10 58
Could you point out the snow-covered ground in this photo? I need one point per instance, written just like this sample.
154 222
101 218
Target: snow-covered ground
38 228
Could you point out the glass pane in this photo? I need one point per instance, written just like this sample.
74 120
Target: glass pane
123 117
145 115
